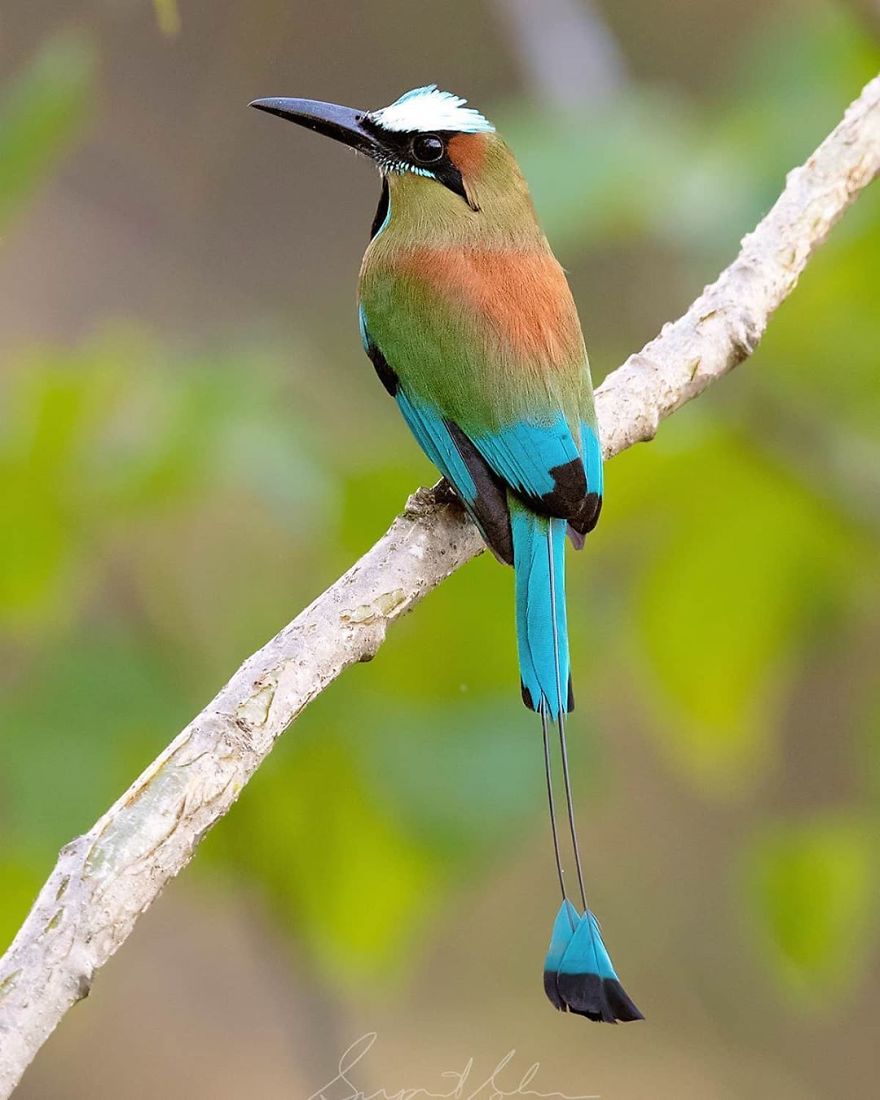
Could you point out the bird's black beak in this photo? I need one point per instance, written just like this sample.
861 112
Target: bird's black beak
343 124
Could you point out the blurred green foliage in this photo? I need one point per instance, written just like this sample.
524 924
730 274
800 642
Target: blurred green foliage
43 112
167 16
167 506
814 888
756 602
652 165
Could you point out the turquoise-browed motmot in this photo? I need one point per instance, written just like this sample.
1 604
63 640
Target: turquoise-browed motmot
471 327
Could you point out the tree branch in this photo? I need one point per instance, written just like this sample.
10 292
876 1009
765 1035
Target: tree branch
105 879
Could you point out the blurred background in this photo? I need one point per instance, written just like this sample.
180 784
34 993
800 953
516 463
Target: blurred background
192 446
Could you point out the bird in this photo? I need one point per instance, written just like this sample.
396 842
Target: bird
470 324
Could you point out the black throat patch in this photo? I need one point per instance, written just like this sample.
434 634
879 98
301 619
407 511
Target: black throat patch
381 210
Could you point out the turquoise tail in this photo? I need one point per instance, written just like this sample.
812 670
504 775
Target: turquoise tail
578 973
539 562
579 976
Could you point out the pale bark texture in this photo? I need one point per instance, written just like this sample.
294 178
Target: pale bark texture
105 879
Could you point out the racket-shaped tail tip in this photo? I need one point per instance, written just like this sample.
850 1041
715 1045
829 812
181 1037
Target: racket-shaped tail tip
600 999
564 927
551 988
578 974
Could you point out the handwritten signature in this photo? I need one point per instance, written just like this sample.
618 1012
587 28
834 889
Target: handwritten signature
463 1085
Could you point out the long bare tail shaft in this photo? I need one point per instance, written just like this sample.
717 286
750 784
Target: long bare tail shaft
579 976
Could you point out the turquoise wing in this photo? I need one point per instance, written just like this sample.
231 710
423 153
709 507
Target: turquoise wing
539 460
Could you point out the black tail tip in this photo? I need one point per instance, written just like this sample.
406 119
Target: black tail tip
601 999
551 988
536 706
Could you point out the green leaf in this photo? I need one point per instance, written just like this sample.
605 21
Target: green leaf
335 862
588 173
21 883
42 114
168 17
100 707
745 569
101 440
831 322
465 777
812 887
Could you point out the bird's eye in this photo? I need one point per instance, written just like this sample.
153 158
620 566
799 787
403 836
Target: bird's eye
428 148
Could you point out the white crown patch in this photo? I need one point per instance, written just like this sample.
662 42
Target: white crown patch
427 109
